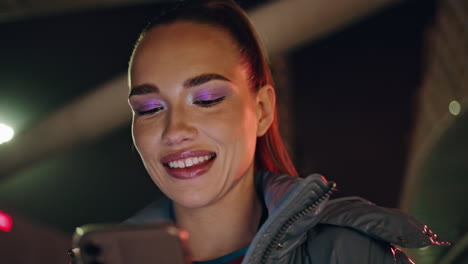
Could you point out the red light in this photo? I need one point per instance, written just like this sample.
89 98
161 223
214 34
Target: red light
6 223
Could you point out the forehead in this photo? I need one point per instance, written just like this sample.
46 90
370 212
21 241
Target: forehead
184 49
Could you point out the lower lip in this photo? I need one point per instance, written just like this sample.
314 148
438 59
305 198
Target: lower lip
189 172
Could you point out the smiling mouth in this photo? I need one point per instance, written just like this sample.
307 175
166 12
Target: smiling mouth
190 161
188 164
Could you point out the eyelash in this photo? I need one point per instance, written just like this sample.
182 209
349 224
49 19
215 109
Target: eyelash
209 103
150 111
202 103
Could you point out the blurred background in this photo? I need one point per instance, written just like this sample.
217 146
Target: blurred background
372 94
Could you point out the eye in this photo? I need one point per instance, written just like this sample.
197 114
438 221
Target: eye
208 103
150 111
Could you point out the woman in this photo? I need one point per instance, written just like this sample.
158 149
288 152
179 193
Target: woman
205 125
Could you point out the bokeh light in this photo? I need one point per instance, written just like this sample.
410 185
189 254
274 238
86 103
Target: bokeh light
454 108
6 133
6 223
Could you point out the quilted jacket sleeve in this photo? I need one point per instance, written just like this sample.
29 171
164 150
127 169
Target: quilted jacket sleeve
340 245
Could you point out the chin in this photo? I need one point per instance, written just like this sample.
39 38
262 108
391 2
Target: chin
192 201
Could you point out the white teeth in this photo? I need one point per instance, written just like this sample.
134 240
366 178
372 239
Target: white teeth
188 162
181 164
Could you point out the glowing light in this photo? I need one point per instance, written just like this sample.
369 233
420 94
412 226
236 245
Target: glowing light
454 108
6 133
79 231
6 223
184 235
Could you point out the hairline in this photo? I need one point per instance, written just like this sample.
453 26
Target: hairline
243 60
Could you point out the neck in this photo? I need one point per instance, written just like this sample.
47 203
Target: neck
225 226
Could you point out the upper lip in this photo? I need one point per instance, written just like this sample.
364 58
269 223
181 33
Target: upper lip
185 154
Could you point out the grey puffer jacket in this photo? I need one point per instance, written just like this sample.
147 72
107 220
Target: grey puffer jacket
304 226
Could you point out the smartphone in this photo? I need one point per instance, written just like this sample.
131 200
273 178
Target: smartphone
161 243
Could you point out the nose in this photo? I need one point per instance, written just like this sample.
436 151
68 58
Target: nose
178 128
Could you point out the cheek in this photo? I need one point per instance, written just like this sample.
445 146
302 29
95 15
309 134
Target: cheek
235 125
143 137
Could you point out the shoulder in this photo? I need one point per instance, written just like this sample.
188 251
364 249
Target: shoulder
353 230
381 223
336 244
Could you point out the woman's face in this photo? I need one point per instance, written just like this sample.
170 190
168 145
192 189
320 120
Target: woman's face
195 119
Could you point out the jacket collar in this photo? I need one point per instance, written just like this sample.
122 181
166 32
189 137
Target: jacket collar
275 189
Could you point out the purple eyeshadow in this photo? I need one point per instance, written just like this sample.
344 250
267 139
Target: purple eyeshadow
149 104
207 96
210 93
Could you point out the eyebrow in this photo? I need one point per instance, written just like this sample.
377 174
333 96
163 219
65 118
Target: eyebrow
191 82
144 89
203 78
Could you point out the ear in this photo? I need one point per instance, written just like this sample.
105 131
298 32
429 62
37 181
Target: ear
265 108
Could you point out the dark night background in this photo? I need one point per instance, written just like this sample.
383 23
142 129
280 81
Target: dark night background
355 96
